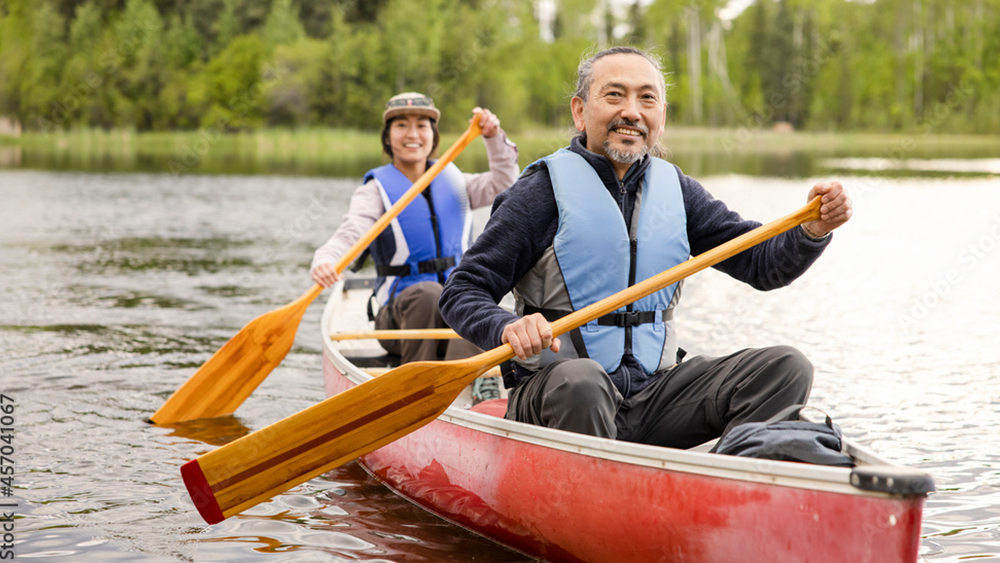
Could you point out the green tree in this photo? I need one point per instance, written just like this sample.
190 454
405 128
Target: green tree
15 39
158 64
226 26
83 82
39 94
778 57
182 44
135 65
233 88
291 100
283 26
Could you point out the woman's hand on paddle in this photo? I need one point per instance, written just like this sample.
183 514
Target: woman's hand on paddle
835 210
529 335
489 123
326 275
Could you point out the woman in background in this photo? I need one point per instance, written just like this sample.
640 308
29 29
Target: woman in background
414 256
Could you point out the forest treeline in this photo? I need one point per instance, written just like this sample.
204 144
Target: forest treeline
231 65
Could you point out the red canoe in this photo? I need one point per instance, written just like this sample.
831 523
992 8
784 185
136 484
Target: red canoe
560 496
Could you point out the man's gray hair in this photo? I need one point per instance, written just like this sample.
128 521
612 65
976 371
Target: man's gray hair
585 72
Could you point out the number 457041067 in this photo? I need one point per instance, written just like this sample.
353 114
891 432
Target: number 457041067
6 443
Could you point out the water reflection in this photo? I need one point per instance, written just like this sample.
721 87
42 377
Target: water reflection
347 514
138 254
330 165
984 166
216 431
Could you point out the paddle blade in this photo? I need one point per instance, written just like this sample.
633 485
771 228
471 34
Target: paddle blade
228 377
222 383
362 419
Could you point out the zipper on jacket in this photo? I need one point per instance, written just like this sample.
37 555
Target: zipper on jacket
633 251
437 231
632 267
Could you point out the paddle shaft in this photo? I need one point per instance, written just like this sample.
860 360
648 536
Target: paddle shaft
363 418
223 382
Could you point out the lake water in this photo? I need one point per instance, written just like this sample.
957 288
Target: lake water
115 287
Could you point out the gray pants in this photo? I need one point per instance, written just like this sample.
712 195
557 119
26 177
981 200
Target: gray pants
695 401
416 307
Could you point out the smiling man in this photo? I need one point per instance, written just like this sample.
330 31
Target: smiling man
623 116
595 218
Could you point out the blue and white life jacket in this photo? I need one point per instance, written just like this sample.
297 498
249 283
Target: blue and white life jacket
598 255
427 239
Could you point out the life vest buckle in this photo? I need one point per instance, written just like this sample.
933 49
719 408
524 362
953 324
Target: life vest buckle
634 318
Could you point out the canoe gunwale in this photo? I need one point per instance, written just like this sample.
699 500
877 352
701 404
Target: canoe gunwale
782 473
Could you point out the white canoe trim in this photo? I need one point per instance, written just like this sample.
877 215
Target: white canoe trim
798 475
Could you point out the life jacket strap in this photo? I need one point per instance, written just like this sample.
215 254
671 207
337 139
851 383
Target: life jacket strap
549 314
432 266
635 318
621 319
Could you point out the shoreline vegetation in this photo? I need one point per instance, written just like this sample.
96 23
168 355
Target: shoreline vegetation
349 152
251 64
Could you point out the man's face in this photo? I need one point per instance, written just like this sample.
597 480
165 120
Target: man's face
625 110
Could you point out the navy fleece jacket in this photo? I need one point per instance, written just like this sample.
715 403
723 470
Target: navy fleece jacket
523 224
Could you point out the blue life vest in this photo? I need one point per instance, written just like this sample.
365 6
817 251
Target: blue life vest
427 239
597 252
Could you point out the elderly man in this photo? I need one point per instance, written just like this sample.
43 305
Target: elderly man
595 218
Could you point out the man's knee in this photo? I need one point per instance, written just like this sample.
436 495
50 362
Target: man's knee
793 366
580 397
580 381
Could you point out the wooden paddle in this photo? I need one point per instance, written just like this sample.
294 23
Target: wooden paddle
399 334
274 459
235 370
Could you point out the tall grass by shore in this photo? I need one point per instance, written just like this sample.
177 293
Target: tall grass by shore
343 152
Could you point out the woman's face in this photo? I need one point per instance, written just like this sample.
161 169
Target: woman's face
412 139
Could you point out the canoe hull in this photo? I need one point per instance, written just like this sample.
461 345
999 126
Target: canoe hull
565 497
559 505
